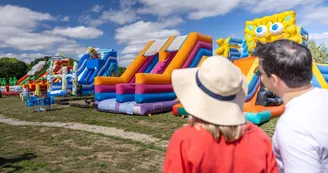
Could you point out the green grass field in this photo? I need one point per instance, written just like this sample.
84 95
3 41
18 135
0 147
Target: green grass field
53 149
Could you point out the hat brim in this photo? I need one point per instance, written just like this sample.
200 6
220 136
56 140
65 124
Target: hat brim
204 107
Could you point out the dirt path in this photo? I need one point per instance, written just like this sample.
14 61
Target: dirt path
108 131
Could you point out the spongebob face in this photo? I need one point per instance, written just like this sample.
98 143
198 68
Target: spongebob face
272 28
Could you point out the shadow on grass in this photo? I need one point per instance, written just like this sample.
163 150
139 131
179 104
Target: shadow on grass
9 161
4 97
48 110
16 158
55 109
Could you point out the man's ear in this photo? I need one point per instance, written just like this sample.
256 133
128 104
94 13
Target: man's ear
275 80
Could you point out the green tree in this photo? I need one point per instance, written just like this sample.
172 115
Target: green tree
11 67
7 60
71 61
319 52
121 70
20 69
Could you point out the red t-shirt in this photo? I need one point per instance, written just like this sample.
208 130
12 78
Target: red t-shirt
192 151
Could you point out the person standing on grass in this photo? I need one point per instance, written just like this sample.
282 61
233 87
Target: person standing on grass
217 137
300 141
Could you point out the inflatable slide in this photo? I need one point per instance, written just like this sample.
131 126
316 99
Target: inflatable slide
320 75
145 87
254 110
37 71
258 109
88 69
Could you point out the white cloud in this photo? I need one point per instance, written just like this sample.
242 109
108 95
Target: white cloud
319 38
71 47
119 16
256 6
65 19
135 36
194 9
25 57
126 14
34 42
18 31
134 48
319 14
95 22
140 31
127 3
17 25
124 62
88 20
96 8
81 32
308 12
126 59
46 26
15 16
19 39
315 15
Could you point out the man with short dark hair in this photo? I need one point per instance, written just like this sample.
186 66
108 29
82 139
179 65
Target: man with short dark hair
300 141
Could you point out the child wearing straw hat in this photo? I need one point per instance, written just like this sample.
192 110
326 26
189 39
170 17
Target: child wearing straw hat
217 137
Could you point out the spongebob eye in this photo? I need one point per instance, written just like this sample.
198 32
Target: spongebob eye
276 28
261 31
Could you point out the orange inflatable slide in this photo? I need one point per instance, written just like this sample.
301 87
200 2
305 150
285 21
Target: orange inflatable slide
254 112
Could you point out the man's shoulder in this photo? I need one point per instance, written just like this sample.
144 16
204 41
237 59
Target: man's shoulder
316 94
305 109
286 123
288 130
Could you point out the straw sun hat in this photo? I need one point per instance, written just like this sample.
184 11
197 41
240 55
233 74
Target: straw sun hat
215 92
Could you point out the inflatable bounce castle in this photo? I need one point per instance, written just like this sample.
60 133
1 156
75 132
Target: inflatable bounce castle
63 77
101 63
104 63
39 72
145 87
12 88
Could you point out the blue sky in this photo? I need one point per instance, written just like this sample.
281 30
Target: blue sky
32 29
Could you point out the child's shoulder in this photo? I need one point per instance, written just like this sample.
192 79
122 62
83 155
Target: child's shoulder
253 130
190 133
185 130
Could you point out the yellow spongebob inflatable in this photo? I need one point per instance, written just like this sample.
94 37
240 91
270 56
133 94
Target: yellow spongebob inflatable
276 27
264 30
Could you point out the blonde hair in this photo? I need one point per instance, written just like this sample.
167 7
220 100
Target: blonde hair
229 133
